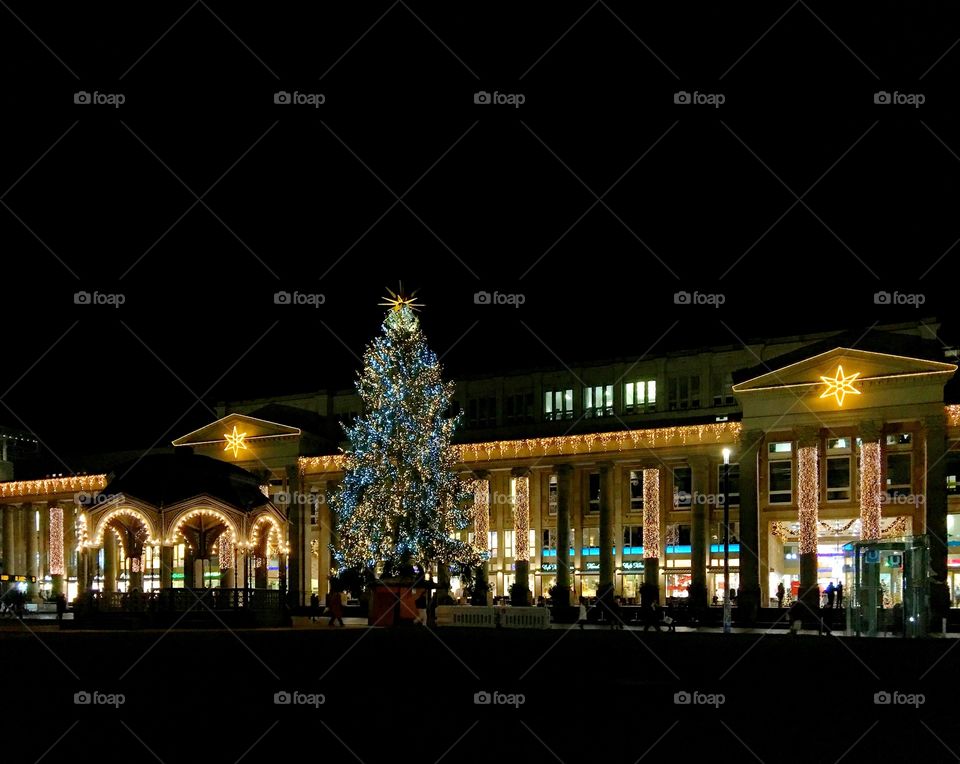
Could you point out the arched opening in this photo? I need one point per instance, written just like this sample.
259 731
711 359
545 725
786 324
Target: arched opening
129 555
267 555
199 538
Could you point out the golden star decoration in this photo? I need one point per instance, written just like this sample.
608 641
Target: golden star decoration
236 441
397 301
839 385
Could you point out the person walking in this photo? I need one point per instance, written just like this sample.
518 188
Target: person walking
831 592
335 604
61 606
839 594
781 591
651 617
582 618
314 607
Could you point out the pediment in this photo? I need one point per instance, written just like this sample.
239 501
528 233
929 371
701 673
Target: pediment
248 428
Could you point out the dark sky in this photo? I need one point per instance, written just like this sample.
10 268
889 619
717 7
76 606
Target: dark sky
493 197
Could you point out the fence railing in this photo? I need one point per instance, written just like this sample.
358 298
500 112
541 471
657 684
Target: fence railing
179 600
492 617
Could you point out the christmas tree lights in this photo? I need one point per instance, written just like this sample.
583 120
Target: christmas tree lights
400 499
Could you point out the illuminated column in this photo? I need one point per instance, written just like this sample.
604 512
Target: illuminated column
606 528
871 487
808 503
292 565
20 545
32 558
564 480
699 511
166 567
521 531
71 543
9 538
56 556
43 540
481 530
748 593
225 559
324 539
109 560
935 504
651 535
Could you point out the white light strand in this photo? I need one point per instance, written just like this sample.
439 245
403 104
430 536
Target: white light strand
870 490
56 541
521 519
651 513
808 497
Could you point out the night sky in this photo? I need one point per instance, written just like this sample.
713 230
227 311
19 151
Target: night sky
492 197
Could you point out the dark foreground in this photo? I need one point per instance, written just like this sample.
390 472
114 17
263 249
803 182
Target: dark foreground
411 695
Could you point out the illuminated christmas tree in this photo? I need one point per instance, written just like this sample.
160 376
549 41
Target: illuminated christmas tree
400 499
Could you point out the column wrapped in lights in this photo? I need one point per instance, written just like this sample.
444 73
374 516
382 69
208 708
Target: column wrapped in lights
870 490
808 497
521 519
56 541
651 513
481 513
225 551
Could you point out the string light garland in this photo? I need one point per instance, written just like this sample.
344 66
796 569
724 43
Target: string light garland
73 484
808 497
224 552
521 519
870 490
651 513
953 415
481 514
123 512
56 541
176 536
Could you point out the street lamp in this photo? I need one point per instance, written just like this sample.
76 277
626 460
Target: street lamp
727 612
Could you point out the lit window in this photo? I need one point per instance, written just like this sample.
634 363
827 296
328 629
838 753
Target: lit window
558 404
636 490
640 396
598 401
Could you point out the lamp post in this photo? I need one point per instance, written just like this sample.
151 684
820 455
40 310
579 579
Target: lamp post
727 613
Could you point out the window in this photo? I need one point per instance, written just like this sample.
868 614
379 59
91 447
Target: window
591 542
598 401
314 505
838 445
482 412
900 440
733 487
640 396
684 392
633 539
780 472
558 404
532 543
549 537
553 492
838 478
508 543
636 490
953 473
722 383
899 482
682 487
518 408
492 544
683 534
593 497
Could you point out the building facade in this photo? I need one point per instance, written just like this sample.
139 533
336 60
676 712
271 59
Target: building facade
614 472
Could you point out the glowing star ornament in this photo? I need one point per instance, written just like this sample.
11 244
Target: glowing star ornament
236 441
397 302
839 385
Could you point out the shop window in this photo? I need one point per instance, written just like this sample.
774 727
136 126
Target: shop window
590 546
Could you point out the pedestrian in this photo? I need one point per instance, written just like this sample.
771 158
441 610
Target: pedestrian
831 592
582 618
839 594
669 618
61 606
781 591
795 617
335 604
652 617
314 607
